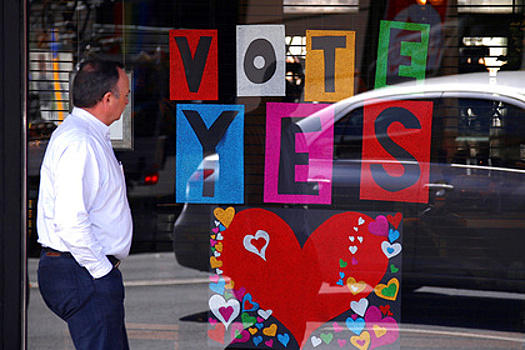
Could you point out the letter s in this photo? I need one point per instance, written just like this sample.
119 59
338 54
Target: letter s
412 171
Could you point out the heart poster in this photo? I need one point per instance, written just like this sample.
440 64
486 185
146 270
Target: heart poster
304 279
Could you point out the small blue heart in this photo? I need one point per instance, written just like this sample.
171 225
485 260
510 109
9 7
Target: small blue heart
257 340
259 325
390 250
248 297
283 339
393 235
221 227
218 287
355 326
342 274
340 282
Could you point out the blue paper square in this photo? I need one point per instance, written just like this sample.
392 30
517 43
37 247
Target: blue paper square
207 177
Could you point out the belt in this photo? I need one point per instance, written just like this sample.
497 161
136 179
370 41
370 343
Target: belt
52 252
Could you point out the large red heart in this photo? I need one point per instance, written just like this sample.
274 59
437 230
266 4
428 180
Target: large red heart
299 284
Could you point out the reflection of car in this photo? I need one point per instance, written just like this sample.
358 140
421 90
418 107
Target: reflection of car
204 176
465 235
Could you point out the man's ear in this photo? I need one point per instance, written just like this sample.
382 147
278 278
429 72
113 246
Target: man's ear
107 98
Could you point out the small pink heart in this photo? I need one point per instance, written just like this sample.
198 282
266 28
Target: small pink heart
260 319
226 312
269 343
341 342
213 242
215 230
337 327
239 293
374 318
212 321
214 278
355 261
379 227
238 333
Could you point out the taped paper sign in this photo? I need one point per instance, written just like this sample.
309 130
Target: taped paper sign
193 65
401 53
299 151
260 60
328 280
432 13
396 151
210 154
329 73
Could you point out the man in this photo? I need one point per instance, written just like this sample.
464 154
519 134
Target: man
84 221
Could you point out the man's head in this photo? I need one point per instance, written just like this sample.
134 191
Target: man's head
101 88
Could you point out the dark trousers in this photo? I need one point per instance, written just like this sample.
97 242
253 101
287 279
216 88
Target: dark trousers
92 308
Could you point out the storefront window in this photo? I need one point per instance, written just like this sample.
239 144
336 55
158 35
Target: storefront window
326 174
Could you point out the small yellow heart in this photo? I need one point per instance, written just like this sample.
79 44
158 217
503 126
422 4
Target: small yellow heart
219 247
354 286
388 291
379 331
213 236
253 330
270 331
224 216
362 341
230 284
215 263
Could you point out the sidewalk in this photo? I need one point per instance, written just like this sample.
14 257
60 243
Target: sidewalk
164 306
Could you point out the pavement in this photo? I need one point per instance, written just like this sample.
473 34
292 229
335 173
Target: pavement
167 308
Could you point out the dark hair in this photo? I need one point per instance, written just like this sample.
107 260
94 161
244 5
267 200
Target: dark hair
93 80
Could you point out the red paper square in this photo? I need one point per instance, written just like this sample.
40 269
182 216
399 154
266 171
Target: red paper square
384 174
188 79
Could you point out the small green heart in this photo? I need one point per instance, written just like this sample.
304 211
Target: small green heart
213 250
394 269
390 291
327 337
227 295
342 263
247 320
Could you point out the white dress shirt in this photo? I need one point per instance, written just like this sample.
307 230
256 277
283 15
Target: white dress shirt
82 203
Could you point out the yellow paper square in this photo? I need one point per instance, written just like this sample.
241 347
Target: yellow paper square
333 52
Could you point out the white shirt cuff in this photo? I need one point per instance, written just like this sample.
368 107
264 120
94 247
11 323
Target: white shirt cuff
100 270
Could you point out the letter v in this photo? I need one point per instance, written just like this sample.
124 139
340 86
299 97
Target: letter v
194 65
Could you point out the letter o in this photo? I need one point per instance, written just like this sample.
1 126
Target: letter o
264 49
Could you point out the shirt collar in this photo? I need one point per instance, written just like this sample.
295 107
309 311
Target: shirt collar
98 125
